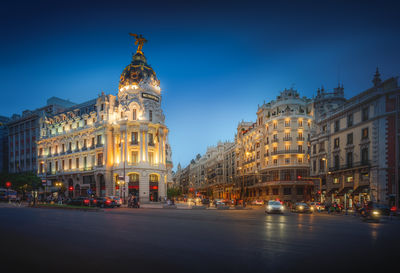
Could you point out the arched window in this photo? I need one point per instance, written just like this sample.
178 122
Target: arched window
153 178
133 177
134 114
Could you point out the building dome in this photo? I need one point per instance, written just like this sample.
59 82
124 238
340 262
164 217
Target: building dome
137 71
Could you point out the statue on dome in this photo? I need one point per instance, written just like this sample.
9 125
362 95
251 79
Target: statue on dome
139 40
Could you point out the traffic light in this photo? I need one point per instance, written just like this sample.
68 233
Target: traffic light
299 177
71 188
8 184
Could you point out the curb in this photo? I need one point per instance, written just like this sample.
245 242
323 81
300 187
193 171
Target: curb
67 208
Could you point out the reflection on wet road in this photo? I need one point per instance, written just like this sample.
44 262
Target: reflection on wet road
154 240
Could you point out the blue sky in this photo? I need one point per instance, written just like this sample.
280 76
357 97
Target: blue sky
216 60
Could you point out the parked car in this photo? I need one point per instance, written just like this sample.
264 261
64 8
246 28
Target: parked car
302 208
317 206
105 202
79 201
274 207
205 201
117 199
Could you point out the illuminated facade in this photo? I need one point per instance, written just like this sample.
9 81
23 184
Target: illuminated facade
112 145
273 153
355 150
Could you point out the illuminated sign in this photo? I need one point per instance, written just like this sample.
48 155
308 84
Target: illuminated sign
150 97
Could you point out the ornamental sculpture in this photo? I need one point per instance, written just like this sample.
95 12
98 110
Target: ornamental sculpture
139 40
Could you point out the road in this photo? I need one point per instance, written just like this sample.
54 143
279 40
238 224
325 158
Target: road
162 240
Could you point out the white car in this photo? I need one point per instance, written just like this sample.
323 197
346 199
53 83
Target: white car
274 207
117 200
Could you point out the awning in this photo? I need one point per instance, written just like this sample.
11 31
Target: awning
345 190
361 189
332 191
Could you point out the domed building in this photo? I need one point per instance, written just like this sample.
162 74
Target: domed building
112 145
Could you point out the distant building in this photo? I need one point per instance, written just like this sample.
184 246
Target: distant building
355 150
23 132
4 144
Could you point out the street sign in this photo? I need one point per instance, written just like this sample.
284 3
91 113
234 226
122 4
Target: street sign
89 191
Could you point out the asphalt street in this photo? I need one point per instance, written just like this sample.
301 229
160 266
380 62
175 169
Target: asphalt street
165 240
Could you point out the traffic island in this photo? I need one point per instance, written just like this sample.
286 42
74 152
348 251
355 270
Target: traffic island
222 207
67 207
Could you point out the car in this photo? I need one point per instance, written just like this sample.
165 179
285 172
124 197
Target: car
205 201
257 202
274 206
105 202
316 206
79 201
302 208
117 199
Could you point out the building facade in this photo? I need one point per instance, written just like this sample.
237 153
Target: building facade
23 132
4 144
355 149
112 145
273 153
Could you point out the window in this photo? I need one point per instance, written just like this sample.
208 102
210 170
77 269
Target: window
102 107
300 123
151 140
63 164
287 148
322 146
150 115
56 166
275 125
70 146
336 180
314 165
77 145
151 157
336 143
364 133
134 137
134 114
134 157
122 114
349 157
287 160
77 163
287 191
275 161
337 125
350 120
287 123
349 179
364 155
63 148
98 139
314 148
300 148
336 160
275 191
100 159
350 139
365 114
299 160
84 143
300 190
70 164
321 165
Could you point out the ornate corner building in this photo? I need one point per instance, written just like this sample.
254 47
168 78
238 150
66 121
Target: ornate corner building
273 153
112 145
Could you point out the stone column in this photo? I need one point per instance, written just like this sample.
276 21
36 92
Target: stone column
162 185
146 154
144 187
141 145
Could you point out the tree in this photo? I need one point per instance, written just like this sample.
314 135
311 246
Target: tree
21 182
173 192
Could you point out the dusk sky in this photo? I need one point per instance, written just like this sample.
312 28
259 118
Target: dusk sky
216 60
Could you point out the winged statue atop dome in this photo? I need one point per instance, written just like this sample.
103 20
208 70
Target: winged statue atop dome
139 40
